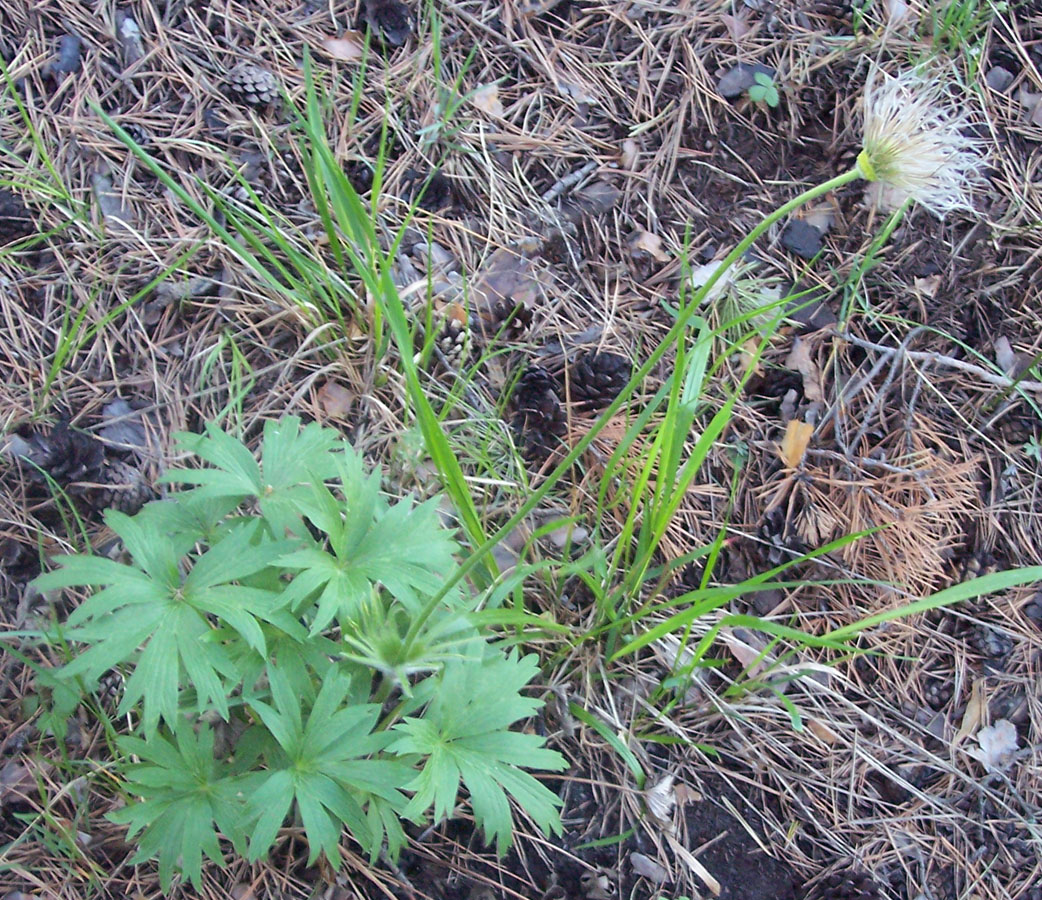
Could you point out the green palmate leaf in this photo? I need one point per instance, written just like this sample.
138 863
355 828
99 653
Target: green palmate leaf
186 802
327 768
152 608
464 735
291 458
403 548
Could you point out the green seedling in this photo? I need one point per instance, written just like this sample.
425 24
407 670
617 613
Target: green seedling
764 91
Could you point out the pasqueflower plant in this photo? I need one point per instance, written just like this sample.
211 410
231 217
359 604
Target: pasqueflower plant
284 662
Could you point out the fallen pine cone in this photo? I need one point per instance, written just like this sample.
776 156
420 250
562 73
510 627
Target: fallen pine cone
538 420
253 85
15 221
595 379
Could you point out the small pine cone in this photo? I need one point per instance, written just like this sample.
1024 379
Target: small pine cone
67 455
595 379
990 642
1033 609
454 342
840 10
389 20
15 221
120 486
253 85
851 884
110 690
538 418
938 689
506 318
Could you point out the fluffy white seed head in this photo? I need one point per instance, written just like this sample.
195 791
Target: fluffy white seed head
914 141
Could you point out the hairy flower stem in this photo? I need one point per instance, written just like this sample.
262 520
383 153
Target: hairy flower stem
674 335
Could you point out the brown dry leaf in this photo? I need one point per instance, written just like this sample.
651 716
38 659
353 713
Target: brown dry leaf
349 47
686 794
749 357
630 152
487 99
115 214
507 277
928 286
1005 356
794 445
660 799
594 199
743 646
455 312
822 731
17 782
737 26
897 12
974 715
646 242
128 34
799 359
646 867
335 400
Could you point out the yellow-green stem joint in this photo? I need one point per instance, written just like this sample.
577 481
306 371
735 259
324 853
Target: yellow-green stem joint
865 166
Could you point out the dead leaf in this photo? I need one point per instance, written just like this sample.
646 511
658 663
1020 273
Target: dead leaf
700 277
1005 356
349 47
794 445
928 286
507 279
573 91
897 11
115 214
822 731
799 359
125 426
998 745
646 867
743 646
661 799
974 714
335 400
749 357
128 33
630 152
651 244
17 782
737 26
686 794
487 99
594 199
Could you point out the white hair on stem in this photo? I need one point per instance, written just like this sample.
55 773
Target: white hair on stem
915 141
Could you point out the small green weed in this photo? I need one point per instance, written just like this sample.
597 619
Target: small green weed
280 609
957 28
764 91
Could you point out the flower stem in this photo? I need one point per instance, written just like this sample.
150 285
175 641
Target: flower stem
675 333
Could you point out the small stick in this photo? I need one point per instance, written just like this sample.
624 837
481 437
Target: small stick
950 361
568 182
